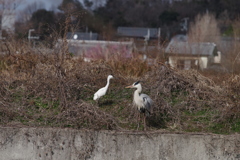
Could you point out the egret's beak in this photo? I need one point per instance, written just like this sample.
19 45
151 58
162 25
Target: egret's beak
129 86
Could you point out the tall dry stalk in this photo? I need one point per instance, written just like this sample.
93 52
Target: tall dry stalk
61 54
231 48
204 29
234 56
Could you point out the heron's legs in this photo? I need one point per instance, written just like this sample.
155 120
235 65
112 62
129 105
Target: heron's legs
138 119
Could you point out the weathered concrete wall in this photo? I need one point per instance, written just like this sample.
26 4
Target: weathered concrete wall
68 144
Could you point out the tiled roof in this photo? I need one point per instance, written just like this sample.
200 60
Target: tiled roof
78 47
179 45
137 32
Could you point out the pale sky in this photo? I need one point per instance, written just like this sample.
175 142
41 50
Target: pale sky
49 4
46 4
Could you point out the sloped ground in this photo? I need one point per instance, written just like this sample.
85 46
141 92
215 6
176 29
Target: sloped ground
42 90
193 102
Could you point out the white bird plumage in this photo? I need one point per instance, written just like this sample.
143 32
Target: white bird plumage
142 101
102 91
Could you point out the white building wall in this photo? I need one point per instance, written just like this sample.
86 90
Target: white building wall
173 62
202 61
217 59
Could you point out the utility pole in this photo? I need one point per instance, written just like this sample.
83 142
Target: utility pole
146 39
159 35
184 24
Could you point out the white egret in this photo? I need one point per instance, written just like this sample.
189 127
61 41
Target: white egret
142 101
102 91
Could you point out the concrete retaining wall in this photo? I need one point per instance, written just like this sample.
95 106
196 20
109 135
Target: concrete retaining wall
69 144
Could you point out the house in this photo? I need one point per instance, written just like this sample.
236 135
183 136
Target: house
89 47
186 55
145 39
82 36
96 49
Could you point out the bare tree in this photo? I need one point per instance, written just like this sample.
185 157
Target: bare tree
231 58
8 15
204 29
26 13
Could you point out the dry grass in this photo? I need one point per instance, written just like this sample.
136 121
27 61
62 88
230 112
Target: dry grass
119 59
56 90
204 29
231 58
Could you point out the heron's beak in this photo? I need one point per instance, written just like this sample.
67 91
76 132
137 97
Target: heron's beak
129 86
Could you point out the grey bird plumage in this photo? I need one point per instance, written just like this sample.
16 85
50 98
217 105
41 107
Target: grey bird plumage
142 101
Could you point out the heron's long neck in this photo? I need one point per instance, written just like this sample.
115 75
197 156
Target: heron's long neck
108 81
137 92
137 99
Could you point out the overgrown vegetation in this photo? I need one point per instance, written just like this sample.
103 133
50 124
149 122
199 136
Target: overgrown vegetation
56 90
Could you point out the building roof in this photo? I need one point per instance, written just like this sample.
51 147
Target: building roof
79 47
138 32
180 46
82 36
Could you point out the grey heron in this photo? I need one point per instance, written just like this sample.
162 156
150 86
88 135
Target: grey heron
142 101
102 91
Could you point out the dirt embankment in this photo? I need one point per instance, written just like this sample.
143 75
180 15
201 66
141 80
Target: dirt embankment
41 91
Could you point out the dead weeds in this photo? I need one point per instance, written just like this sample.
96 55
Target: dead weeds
37 90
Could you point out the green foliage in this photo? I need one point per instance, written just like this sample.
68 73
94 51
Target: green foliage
41 103
42 16
168 17
70 6
235 127
3 65
228 31
42 21
219 128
